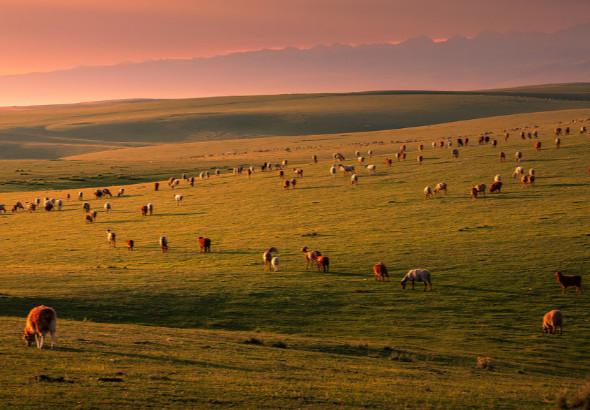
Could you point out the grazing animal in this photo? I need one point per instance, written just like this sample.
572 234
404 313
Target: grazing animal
3 208
178 198
107 207
498 178
80 196
156 186
281 173
204 244
293 183
314 158
274 263
372 168
217 172
286 184
583 129
557 142
111 238
310 256
89 219
370 153
59 204
428 192
388 162
440 187
333 170
130 244
163 244
86 207
323 263
420 159
40 321
518 171
518 156
267 257
347 169
338 157
455 153
552 321
360 159
18 206
433 144
567 281
150 209
496 187
31 207
417 275
527 179
354 179
121 192
380 271
537 145
144 210
420 147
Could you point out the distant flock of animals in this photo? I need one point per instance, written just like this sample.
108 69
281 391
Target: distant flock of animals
42 319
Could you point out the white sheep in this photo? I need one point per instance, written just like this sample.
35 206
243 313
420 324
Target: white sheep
333 170
150 208
354 179
532 172
372 168
59 203
274 263
178 198
428 192
518 171
107 207
498 178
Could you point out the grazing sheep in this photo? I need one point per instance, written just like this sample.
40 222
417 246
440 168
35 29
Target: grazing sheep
80 196
569 281
417 275
398 156
31 207
552 321
347 169
420 159
380 271
433 144
298 172
293 183
502 156
163 244
455 153
204 245
420 147
371 168
323 263
121 192
558 131
506 136
88 218
557 142
583 129
130 244
144 210
498 178
496 187
3 208
537 145
178 198
440 187
286 184
388 162
357 154
267 257
48 205
17 207
40 321
354 179
532 172
310 256
191 181
217 172
107 207
527 179
314 158
518 172
150 209
494 143
567 130
86 207
474 192
338 157
333 170
370 153
156 186
94 214
360 159
59 204
111 238
274 263
428 192
481 189
284 163
460 142
518 156
281 173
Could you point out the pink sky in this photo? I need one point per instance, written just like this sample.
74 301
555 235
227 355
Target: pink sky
44 35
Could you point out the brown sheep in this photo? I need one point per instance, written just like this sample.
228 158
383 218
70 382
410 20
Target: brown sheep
567 281
553 320
40 321
323 263
380 271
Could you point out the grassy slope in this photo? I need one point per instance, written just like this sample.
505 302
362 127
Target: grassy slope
492 261
56 131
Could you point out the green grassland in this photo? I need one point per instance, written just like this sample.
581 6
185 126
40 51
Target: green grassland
50 132
175 327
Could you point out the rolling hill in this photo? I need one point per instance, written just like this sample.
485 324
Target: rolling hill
49 132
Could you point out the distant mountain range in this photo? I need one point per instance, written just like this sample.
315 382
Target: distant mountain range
489 60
